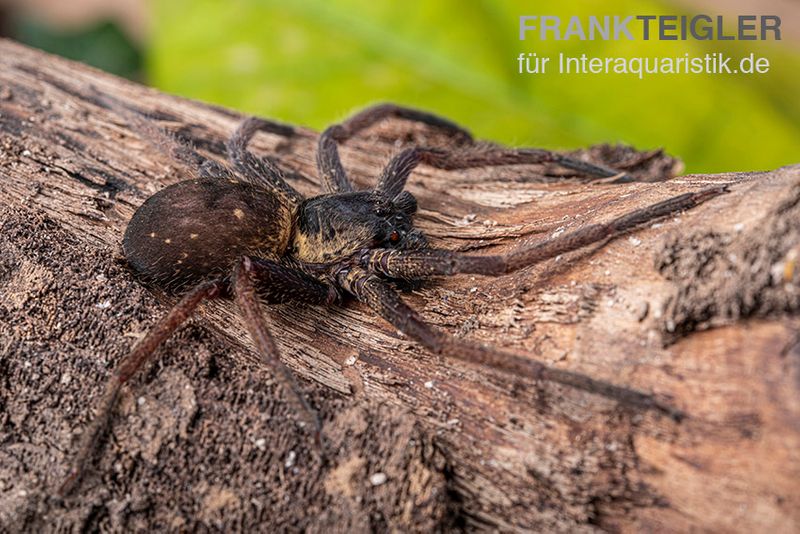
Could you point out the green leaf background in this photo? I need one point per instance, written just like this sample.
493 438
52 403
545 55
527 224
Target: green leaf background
314 61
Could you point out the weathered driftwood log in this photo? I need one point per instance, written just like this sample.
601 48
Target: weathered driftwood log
699 309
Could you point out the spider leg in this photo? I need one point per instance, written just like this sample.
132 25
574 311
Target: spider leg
369 116
252 313
472 154
412 264
378 295
261 171
279 283
143 351
331 171
334 178
393 178
193 162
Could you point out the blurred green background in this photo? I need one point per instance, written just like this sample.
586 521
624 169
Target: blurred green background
314 61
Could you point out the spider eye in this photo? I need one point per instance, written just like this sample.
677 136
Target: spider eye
394 237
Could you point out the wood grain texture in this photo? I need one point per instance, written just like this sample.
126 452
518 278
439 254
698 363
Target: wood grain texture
519 455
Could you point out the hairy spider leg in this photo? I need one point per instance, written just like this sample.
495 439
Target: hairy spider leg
257 171
379 296
275 282
261 171
331 171
143 351
412 264
334 178
394 176
370 115
195 164
470 155
250 307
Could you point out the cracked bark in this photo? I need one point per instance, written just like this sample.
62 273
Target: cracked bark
700 308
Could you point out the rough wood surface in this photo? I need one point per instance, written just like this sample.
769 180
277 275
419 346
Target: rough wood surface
700 309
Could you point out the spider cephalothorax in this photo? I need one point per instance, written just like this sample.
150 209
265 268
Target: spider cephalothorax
244 232
334 227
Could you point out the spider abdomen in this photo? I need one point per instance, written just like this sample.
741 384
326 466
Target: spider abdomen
197 229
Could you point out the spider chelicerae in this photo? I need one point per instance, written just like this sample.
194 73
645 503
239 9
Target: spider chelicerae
242 232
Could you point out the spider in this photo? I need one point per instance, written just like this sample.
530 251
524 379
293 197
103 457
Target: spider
241 232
